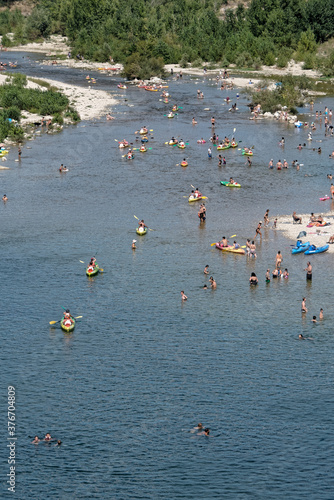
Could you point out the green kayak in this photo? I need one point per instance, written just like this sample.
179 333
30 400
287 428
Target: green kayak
67 325
92 271
228 184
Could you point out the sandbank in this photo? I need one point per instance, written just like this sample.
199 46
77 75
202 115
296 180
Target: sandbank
318 236
90 103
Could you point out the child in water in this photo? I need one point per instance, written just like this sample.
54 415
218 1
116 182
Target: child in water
268 276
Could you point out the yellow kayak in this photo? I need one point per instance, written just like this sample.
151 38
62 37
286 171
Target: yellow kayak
231 249
191 198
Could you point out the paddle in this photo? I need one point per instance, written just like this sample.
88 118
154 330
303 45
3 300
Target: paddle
54 322
148 227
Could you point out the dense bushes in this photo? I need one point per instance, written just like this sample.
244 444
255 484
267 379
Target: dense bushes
15 97
288 92
268 32
45 102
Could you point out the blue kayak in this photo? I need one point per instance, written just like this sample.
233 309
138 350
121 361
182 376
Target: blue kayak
300 247
313 249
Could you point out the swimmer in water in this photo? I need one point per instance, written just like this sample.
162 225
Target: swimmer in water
133 246
321 314
304 308
183 295
47 437
301 337
206 269
4 198
213 282
205 287
36 440
253 279
314 319
268 276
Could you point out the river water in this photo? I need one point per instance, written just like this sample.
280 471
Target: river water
141 369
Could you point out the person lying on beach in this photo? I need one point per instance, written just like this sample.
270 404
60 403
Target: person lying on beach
315 218
296 219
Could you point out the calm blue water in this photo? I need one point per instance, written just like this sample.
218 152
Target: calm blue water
141 369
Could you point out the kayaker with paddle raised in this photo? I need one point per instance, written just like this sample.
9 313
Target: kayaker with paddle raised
141 224
68 319
92 262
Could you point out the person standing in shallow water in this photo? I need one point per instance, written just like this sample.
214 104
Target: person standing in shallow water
258 230
308 270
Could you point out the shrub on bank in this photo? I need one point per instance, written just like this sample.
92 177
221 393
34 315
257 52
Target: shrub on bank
289 92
